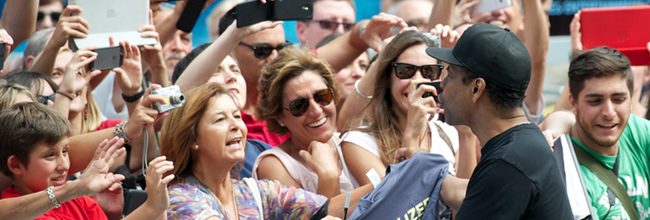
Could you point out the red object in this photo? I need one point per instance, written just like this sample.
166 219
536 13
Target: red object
259 131
82 207
625 28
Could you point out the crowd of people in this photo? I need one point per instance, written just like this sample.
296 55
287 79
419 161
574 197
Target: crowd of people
427 110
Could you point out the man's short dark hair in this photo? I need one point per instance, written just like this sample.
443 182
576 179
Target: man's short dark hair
185 62
25 125
503 98
596 63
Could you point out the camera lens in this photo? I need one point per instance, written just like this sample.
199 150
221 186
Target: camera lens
176 99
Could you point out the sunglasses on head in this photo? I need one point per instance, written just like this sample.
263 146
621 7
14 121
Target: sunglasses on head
53 15
332 25
44 98
407 71
300 105
264 50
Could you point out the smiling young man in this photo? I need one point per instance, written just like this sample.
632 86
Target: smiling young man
600 83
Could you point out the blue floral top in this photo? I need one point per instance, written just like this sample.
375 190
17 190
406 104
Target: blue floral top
193 200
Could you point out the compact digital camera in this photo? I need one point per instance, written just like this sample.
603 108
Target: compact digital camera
173 98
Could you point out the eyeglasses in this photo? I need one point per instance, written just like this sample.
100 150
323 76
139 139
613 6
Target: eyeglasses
264 50
406 71
44 98
332 25
53 15
300 105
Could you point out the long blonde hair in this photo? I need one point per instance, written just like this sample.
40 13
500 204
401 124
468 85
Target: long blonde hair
380 115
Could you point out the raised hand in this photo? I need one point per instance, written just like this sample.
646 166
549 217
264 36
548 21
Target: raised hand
157 197
129 76
143 116
96 177
379 28
576 35
448 37
419 114
69 25
76 75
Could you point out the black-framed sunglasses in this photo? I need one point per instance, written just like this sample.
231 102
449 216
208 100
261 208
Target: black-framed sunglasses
406 71
332 25
53 15
300 105
44 98
264 50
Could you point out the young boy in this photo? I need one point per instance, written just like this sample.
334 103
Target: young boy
34 153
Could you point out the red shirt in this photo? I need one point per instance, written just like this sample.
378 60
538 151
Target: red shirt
83 207
259 131
108 123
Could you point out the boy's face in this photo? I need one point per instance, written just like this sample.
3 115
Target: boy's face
48 166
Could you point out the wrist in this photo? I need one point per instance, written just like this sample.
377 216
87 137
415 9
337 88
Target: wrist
133 97
68 95
356 39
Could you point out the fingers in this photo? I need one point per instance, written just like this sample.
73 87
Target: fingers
71 10
149 99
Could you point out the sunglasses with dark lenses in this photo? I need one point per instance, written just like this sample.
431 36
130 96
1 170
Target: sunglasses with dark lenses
264 50
44 98
407 71
300 105
53 15
331 25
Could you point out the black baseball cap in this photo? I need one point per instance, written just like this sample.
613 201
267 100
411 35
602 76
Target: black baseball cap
494 53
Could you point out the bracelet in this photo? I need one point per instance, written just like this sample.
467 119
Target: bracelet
69 96
358 91
134 97
52 197
118 131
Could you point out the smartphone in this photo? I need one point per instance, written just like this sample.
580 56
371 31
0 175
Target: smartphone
2 56
249 13
107 58
435 84
293 9
491 5
189 15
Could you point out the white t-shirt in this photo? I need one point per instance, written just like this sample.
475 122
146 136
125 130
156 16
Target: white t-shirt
103 96
439 146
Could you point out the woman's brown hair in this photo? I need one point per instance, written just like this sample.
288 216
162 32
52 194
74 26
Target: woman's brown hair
178 133
291 62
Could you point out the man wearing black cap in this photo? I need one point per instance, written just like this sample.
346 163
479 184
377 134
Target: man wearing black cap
517 176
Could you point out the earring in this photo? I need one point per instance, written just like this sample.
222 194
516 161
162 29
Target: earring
196 147
281 124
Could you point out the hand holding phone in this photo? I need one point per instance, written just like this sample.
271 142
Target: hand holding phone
435 84
107 58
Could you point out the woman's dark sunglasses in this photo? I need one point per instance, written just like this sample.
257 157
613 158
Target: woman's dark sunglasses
300 105
44 98
264 50
407 71
53 15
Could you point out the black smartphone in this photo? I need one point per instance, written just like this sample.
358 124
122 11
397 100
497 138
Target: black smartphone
249 13
293 9
2 56
189 15
107 58
435 84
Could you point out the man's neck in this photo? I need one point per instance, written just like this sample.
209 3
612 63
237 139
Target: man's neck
487 127
251 102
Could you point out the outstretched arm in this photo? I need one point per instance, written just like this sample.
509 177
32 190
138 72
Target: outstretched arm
19 18
536 37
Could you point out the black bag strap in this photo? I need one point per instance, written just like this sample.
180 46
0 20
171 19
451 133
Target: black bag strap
608 177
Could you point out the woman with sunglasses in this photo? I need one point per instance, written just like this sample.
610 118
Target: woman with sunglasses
40 84
298 96
205 138
400 114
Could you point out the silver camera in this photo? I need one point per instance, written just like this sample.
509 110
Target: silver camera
173 98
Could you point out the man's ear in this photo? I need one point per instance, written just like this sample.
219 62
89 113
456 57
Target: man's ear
301 26
478 89
572 102
15 166
29 61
